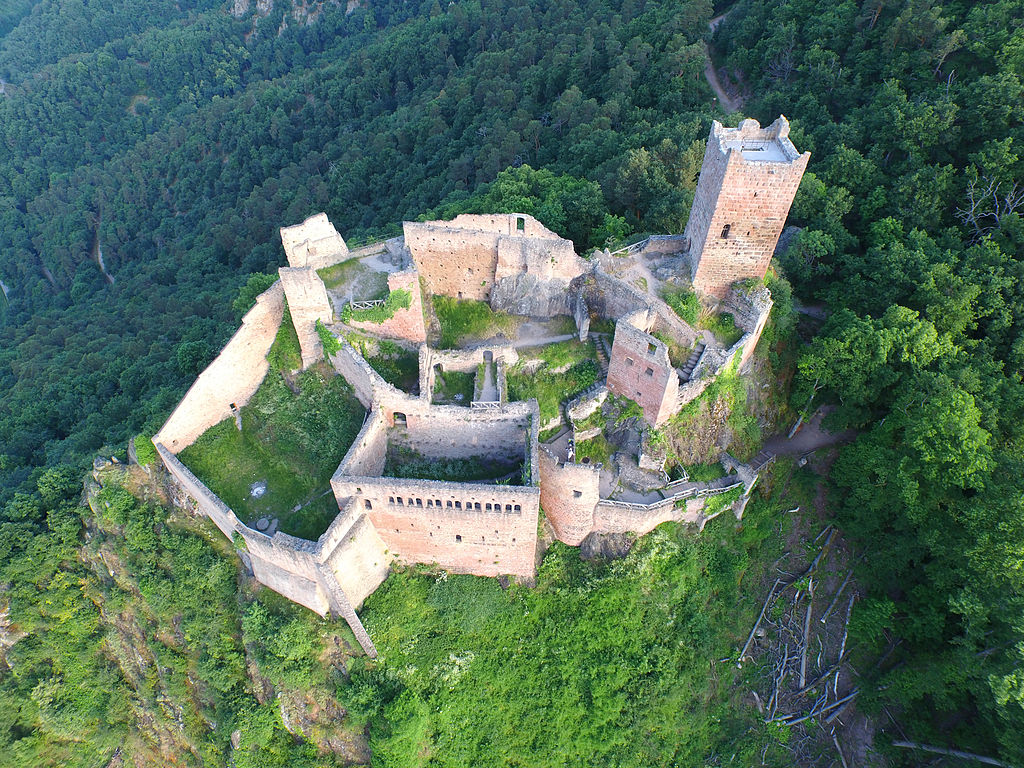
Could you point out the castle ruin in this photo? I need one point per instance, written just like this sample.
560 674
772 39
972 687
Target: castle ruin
512 261
747 183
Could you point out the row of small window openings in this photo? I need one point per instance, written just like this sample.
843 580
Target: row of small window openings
457 505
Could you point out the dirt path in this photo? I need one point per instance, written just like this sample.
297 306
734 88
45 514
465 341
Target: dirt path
811 437
728 103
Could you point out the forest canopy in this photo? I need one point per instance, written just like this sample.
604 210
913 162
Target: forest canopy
150 150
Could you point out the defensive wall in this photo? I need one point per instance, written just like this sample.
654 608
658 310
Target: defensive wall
748 179
333 574
639 366
571 498
520 266
469 256
314 243
307 303
640 369
231 379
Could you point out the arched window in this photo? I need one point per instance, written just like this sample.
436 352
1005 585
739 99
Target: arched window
725 231
400 420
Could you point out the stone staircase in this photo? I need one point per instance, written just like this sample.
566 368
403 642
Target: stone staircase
603 352
687 370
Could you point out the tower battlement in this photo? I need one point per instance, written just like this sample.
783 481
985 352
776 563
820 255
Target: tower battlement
747 183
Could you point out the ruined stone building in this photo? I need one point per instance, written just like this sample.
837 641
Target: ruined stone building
747 183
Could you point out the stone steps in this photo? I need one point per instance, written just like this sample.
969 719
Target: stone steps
687 370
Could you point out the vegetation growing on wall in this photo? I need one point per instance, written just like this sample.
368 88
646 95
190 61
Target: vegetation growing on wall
289 446
327 339
396 300
551 388
406 462
285 354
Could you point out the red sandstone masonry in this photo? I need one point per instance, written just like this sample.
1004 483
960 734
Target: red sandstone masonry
741 203
487 530
406 324
640 369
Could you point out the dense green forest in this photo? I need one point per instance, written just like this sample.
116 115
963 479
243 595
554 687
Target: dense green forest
150 150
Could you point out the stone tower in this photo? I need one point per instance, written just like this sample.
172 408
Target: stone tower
747 183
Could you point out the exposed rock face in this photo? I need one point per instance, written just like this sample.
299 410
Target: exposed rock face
531 295
607 546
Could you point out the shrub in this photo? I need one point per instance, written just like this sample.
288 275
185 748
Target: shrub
145 451
328 339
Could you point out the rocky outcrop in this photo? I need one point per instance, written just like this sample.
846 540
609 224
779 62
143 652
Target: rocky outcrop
531 295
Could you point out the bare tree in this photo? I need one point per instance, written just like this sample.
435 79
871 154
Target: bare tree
988 202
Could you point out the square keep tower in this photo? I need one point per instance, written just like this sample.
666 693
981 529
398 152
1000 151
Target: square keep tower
747 183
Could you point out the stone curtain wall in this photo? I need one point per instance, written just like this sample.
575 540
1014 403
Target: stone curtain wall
368 452
453 431
231 378
307 303
751 311
533 276
314 243
453 262
750 196
569 493
617 517
487 530
640 369
459 258
405 324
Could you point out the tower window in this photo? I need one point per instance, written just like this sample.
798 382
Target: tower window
458 537
520 224
725 231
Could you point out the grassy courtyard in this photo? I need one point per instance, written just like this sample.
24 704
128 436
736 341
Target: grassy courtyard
463 321
290 444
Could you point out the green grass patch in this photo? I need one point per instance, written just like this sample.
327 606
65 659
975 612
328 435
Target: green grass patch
602 325
292 442
677 353
396 300
406 462
454 387
705 473
597 653
561 354
717 504
551 388
684 303
338 275
723 325
464 320
688 307
398 366
285 354
145 451
597 449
